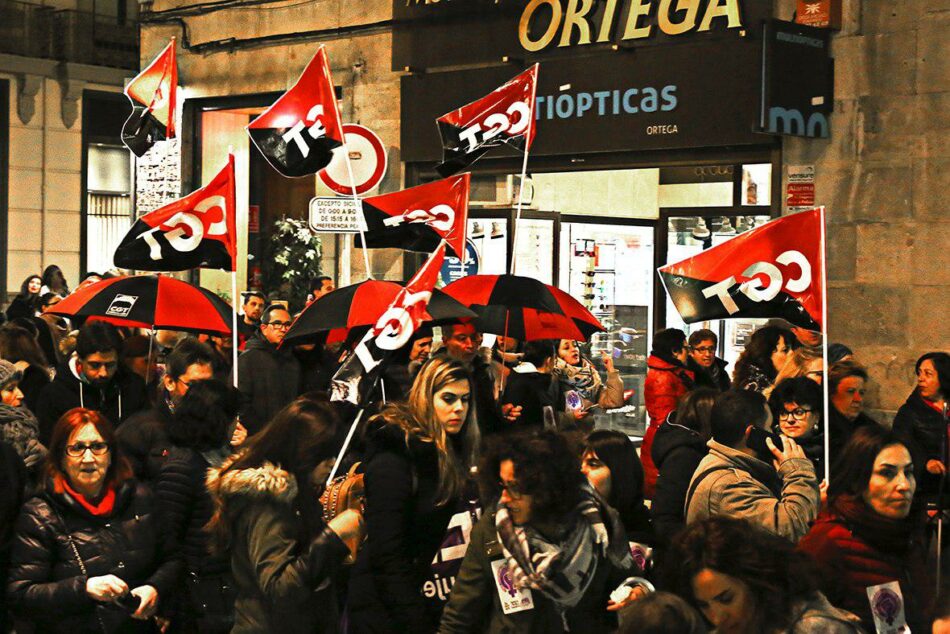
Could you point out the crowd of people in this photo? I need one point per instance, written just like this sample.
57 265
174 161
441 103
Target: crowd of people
143 493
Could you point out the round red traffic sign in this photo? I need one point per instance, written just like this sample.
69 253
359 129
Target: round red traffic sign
367 159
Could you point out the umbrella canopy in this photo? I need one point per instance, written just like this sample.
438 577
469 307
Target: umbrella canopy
150 301
359 306
523 308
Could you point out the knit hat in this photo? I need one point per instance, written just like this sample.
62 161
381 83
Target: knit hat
8 373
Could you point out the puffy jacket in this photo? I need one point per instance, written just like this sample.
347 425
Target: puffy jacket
677 451
404 529
929 433
46 584
854 555
144 441
474 606
743 486
284 584
665 384
124 395
268 379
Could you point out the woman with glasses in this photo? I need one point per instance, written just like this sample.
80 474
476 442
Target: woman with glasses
667 381
416 473
87 552
796 406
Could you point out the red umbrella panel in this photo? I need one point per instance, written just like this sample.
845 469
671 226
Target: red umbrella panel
150 301
358 305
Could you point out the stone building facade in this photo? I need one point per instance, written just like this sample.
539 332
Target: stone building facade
881 173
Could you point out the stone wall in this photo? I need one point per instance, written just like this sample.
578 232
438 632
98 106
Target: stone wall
883 175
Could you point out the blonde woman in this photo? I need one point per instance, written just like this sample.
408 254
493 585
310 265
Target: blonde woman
416 468
805 361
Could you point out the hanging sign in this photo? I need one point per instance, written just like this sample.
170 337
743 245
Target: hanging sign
454 269
367 159
336 215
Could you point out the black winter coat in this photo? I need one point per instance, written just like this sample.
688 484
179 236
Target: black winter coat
185 506
532 391
119 399
143 439
46 584
14 477
34 380
404 530
716 377
840 430
268 379
927 429
677 451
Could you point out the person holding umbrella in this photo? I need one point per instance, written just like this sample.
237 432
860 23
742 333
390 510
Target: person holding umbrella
94 379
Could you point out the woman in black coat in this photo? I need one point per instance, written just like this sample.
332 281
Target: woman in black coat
26 302
200 431
87 554
922 420
415 471
678 447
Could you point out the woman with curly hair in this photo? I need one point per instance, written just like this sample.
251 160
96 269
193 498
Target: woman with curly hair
748 581
764 356
546 555
416 469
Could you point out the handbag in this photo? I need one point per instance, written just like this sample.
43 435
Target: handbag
344 492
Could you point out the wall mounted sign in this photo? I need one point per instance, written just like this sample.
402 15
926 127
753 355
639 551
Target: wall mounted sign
367 159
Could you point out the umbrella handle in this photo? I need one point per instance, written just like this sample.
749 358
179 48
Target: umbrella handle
503 364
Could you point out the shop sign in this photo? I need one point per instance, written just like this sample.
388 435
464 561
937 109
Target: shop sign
657 98
797 80
439 33
336 215
819 13
800 188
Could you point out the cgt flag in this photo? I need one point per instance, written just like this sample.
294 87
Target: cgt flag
772 271
506 115
419 218
391 332
195 231
298 133
153 94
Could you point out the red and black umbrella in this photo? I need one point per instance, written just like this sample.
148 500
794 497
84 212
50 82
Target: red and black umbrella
360 305
523 308
150 301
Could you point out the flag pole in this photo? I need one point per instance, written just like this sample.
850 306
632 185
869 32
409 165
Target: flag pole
524 175
824 345
356 199
234 324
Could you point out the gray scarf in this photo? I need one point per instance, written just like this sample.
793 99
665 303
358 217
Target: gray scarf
18 427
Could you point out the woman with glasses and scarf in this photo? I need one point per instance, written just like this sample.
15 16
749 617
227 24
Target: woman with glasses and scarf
547 555
88 554
796 406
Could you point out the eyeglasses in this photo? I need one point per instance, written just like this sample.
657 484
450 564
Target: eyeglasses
512 488
704 349
279 324
799 413
78 450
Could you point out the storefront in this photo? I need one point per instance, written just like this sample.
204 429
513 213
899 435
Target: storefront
645 152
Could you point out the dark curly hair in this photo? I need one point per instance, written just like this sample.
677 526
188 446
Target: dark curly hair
203 419
547 468
774 572
758 352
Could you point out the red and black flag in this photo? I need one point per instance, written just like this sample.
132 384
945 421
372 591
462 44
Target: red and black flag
419 218
392 331
195 231
153 94
297 135
772 271
504 116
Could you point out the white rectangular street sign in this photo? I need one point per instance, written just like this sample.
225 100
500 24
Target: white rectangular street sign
336 215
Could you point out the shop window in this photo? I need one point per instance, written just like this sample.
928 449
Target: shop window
757 184
108 202
629 193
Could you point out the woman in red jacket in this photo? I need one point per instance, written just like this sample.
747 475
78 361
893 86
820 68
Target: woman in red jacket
872 533
667 381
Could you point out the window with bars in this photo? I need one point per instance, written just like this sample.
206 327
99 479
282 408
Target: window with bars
108 203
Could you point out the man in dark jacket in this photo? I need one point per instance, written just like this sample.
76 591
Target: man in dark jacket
709 370
530 386
93 378
268 377
250 322
143 438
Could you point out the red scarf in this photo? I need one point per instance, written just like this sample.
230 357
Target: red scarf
102 508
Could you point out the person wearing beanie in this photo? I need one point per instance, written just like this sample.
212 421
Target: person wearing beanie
18 426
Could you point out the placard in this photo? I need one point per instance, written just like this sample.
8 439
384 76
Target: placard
336 215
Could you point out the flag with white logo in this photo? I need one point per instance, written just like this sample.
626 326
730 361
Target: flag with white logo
503 117
391 332
298 133
153 94
195 231
772 271
419 218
